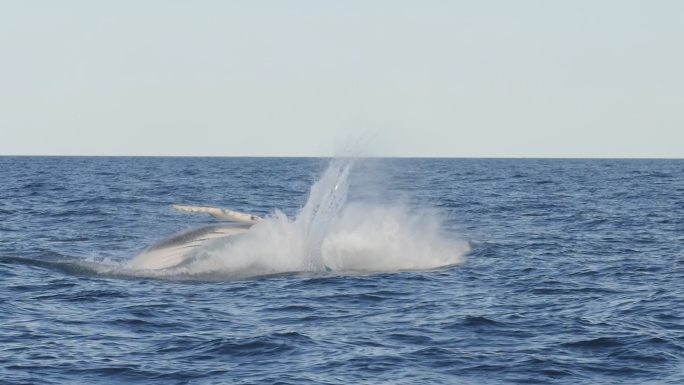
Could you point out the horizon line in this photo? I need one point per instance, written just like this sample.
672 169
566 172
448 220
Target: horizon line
339 156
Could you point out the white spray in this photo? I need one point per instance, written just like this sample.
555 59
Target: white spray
326 201
330 234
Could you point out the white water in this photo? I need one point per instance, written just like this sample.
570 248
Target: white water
330 234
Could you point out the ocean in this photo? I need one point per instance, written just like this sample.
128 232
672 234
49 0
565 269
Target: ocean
363 271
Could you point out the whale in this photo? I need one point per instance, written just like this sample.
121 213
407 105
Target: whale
183 247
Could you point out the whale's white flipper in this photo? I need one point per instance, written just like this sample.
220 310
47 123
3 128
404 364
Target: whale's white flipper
182 247
220 213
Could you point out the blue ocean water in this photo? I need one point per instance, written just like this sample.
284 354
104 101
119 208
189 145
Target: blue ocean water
574 274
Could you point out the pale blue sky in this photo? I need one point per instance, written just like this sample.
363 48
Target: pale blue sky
298 78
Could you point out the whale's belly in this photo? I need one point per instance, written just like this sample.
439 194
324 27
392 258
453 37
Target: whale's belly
178 248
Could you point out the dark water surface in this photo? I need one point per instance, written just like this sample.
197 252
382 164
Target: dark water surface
576 275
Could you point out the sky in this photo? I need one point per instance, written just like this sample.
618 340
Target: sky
597 78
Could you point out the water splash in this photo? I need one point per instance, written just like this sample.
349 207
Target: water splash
326 201
329 234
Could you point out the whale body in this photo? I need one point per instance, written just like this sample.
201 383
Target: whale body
183 247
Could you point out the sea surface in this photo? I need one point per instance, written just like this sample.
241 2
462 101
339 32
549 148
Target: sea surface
376 271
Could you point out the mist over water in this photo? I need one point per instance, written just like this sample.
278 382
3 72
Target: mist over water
330 234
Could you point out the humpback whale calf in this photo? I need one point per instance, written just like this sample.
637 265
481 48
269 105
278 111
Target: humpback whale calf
182 247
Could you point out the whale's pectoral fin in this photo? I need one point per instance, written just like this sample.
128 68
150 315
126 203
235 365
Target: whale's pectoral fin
220 213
